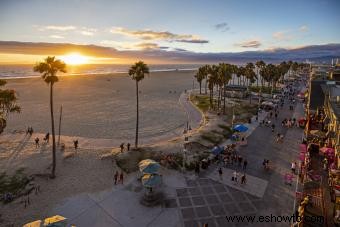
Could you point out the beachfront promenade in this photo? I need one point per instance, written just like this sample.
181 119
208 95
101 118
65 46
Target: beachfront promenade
193 201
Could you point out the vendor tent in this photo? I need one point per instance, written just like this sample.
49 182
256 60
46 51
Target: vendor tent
240 128
148 166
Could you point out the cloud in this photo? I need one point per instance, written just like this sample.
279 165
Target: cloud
282 35
179 49
303 28
147 46
56 28
326 51
249 44
223 27
56 37
158 35
87 31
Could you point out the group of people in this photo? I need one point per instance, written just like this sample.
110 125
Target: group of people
118 178
289 123
234 177
46 140
29 130
122 147
234 159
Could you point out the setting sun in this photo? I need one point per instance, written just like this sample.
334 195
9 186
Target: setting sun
74 59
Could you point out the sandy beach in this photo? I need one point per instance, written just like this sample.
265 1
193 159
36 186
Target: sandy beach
104 106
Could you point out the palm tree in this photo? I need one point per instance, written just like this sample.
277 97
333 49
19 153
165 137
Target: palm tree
250 75
212 80
225 72
8 98
49 69
240 73
206 71
136 72
200 75
260 65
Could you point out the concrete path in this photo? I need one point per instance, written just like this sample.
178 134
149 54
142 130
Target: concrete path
254 185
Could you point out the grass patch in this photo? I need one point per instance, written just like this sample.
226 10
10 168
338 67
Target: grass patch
212 137
201 101
13 184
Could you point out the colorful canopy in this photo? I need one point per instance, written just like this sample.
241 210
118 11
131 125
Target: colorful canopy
55 221
240 128
151 180
148 166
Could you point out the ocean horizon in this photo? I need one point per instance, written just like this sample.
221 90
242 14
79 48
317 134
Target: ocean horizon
26 71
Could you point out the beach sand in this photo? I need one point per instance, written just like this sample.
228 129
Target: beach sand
104 106
100 112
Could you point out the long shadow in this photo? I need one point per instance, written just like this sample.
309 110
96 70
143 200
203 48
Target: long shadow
18 149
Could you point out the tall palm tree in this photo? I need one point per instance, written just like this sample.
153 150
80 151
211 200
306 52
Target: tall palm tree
225 72
251 76
137 72
206 71
200 75
49 69
260 65
212 81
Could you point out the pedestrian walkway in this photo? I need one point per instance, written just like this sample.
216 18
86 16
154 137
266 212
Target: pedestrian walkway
254 185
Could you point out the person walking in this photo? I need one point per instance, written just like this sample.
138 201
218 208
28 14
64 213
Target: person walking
128 146
293 167
220 173
245 163
121 177
240 160
235 177
243 179
115 177
36 142
47 137
121 147
75 143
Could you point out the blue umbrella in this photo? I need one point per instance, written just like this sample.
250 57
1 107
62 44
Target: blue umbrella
240 128
217 150
148 166
151 180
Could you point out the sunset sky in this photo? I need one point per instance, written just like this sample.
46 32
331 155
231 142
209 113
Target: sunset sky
158 26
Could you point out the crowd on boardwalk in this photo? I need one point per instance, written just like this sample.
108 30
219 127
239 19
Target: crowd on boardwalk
233 159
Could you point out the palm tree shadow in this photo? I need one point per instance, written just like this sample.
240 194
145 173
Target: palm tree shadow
19 148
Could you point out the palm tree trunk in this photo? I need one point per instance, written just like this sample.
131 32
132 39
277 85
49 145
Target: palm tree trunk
200 87
206 82
224 98
53 133
137 120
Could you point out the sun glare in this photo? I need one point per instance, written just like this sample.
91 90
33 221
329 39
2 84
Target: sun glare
74 59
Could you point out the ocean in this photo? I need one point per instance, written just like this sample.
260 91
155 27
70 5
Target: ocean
24 71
